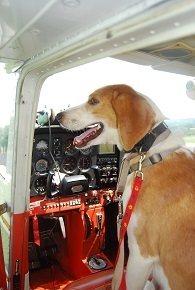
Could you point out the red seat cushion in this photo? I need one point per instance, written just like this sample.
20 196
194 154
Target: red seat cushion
97 281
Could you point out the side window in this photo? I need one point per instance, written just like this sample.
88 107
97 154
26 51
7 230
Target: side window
7 117
4 130
7 114
167 90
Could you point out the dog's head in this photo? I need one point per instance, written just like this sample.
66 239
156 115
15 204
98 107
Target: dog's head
113 114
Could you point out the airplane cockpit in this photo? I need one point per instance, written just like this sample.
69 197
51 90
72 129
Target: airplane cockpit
60 210
73 204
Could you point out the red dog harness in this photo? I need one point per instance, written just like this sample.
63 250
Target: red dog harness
128 212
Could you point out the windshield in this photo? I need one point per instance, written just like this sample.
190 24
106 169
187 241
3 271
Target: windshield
167 90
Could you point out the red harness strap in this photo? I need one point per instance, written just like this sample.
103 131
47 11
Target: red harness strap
126 218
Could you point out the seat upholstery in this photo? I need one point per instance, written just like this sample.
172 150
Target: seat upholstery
97 281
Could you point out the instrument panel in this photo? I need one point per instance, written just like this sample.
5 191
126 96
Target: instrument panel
55 149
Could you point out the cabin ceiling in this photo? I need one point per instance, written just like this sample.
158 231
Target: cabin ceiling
159 33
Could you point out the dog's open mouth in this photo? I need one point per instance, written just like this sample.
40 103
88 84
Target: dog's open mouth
92 132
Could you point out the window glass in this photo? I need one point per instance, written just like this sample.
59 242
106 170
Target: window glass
7 115
167 90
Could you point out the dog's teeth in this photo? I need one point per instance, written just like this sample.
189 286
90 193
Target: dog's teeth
96 126
92 131
92 126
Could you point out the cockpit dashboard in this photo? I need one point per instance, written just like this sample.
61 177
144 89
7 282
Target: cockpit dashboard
53 150
74 189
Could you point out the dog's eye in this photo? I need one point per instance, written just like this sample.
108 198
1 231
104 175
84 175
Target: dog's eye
93 101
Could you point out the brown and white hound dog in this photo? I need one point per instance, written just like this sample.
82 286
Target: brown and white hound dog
161 232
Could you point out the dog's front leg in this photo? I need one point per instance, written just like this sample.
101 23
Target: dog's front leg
138 271
138 267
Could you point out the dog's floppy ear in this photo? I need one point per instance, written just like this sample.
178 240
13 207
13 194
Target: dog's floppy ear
135 117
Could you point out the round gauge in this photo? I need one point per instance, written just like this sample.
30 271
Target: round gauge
86 151
69 147
69 164
40 185
84 163
42 165
42 148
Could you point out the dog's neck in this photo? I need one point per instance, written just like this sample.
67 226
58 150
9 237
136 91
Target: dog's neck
157 134
165 144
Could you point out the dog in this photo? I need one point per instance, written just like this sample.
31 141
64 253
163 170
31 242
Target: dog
161 231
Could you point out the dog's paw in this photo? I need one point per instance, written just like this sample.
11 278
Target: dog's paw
149 286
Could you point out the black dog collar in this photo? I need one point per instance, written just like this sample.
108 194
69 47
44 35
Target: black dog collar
147 141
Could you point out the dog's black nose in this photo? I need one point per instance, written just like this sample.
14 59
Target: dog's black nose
59 116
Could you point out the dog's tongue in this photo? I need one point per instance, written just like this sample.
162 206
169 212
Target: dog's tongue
92 132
